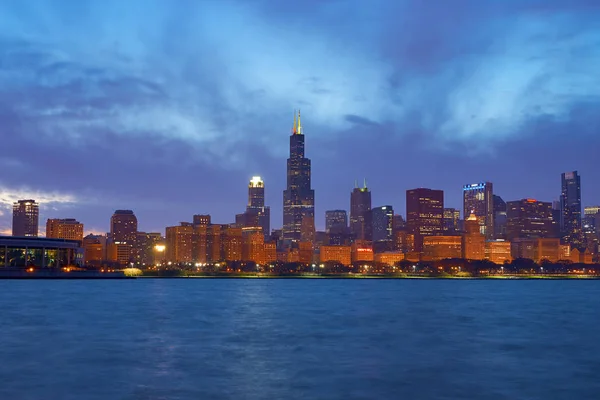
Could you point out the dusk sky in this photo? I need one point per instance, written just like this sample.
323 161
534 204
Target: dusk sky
169 107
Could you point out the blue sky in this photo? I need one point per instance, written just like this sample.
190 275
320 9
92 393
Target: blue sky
169 107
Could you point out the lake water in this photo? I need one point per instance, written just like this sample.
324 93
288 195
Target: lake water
299 339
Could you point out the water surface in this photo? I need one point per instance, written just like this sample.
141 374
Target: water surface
299 339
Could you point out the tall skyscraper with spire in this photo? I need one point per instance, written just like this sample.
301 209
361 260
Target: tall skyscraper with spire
298 198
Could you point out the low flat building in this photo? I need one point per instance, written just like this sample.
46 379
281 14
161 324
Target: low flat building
341 254
441 247
25 252
389 258
498 251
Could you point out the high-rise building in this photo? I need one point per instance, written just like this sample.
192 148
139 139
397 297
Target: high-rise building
499 218
201 219
570 205
399 222
424 214
336 221
253 245
473 240
257 214
179 242
529 218
123 235
382 223
478 198
69 229
146 251
360 205
451 218
94 247
298 198
25 218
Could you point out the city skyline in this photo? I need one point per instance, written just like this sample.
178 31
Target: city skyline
403 90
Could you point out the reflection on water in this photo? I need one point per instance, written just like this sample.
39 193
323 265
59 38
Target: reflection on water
295 339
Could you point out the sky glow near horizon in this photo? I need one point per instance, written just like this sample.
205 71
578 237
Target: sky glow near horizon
169 107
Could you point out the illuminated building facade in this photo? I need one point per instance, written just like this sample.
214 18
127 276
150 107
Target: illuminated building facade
339 254
473 240
253 245
441 247
69 229
362 251
146 253
389 258
336 221
94 247
26 215
529 218
404 241
123 234
498 251
570 205
232 242
424 214
537 249
451 218
179 243
360 205
382 223
298 198
478 198
257 214
270 252
26 252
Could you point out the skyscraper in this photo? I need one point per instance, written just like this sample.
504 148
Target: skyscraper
298 198
25 218
257 214
382 222
360 205
570 205
451 218
530 219
336 221
478 198
123 235
499 218
424 214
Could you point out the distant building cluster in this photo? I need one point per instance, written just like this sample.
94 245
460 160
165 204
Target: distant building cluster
488 229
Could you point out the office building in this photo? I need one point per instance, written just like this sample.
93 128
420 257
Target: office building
360 205
498 251
337 254
336 221
146 251
298 197
451 218
529 218
123 235
499 218
362 251
69 229
570 205
94 247
441 247
478 199
473 241
257 214
382 223
389 258
253 245
178 241
26 215
424 214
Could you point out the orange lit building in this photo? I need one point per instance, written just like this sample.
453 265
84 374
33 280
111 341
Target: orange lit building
389 257
405 241
305 252
341 254
179 243
473 240
213 243
441 247
362 251
95 249
200 243
498 251
538 249
583 257
253 247
69 229
270 252
232 244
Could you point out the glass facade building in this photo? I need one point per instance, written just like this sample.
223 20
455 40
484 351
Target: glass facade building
19 252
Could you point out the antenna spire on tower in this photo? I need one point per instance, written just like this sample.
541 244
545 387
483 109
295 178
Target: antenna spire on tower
356 184
294 126
299 129
365 183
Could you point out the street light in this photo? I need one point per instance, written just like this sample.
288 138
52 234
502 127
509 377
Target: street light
160 249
